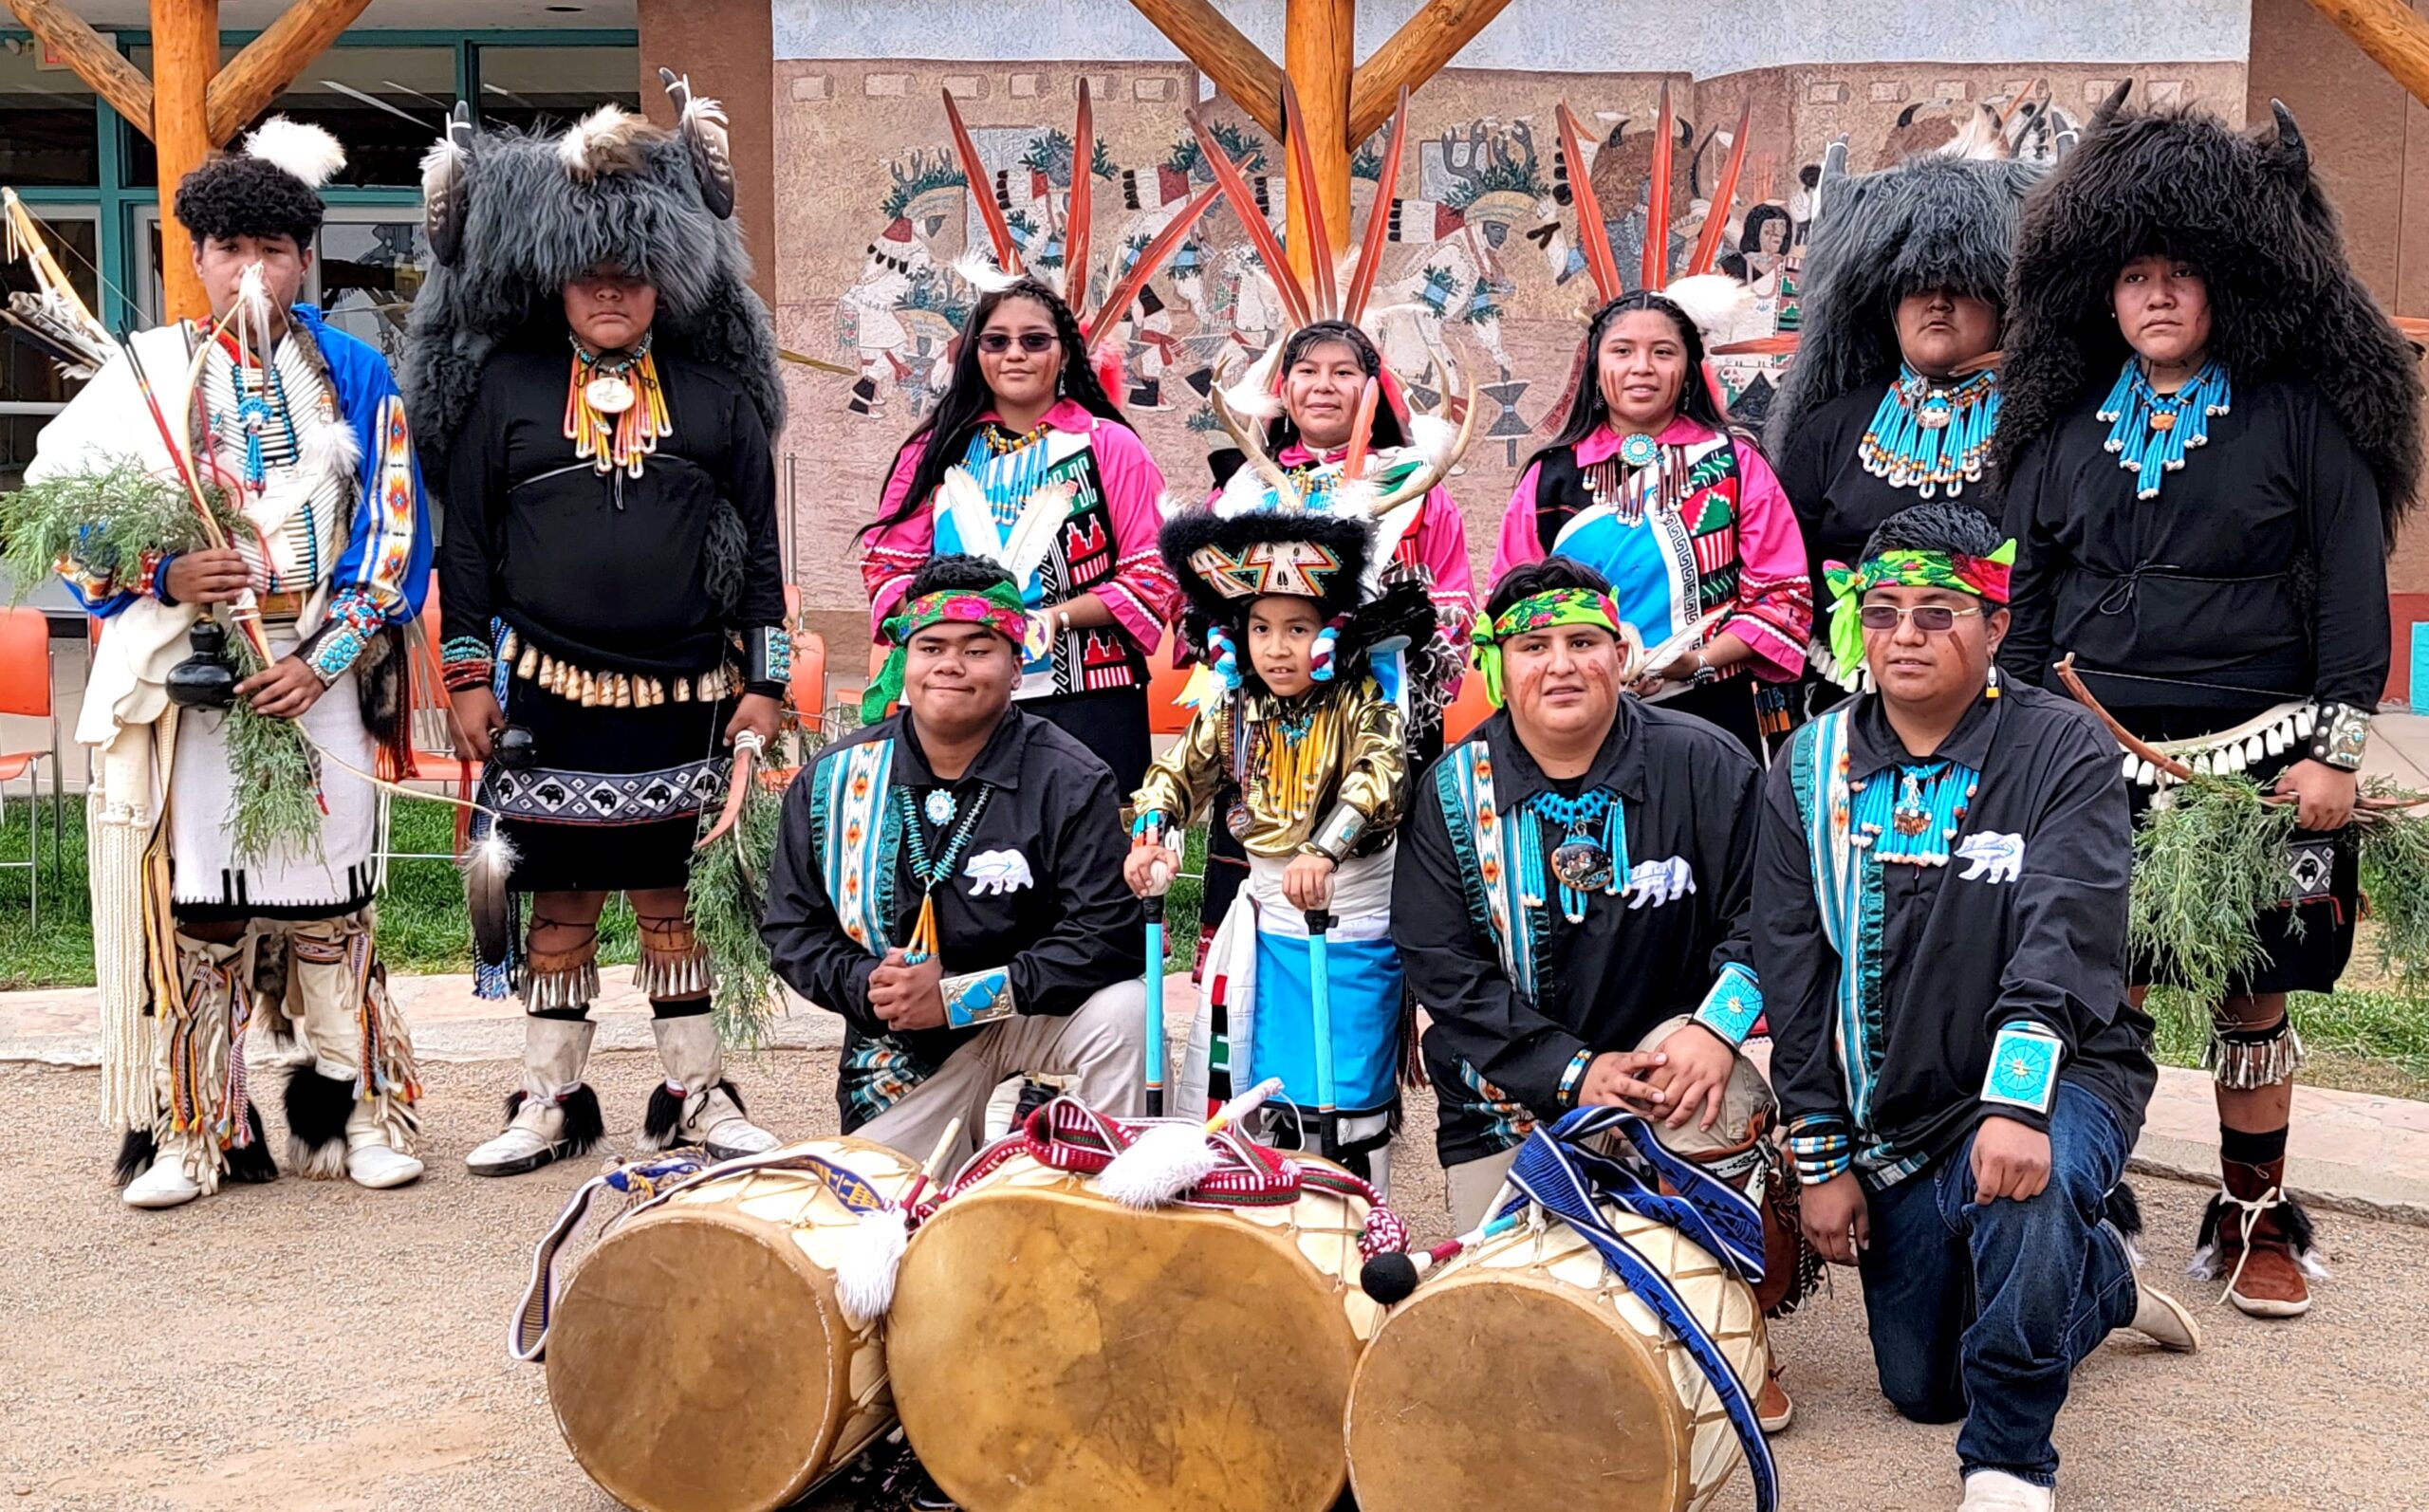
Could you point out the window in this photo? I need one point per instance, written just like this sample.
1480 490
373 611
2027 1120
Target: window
549 88
385 106
370 265
31 387
50 133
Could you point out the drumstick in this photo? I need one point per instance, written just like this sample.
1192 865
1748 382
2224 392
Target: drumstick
1241 1106
935 1166
1320 985
1156 1005
1390 1278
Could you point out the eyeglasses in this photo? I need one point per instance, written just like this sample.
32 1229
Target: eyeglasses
1931 619
997 342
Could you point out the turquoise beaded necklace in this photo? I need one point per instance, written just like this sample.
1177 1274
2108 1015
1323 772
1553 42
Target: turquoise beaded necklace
1929 438
1581 862
1913 818
2149 432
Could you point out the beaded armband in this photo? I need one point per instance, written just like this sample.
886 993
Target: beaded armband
1819 1145
354 618
767 657
1574 1077
2339 732
1338 834
464 662
1733 1003
977 997
1150 819
2024 1066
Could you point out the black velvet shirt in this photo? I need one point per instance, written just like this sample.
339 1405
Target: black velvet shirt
1691 793
1966 947
1037 889
2257 576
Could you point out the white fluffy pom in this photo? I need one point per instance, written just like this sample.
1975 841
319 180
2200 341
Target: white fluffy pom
307 152
1434 436
1714 301
1159 1165
1254 398
979 271
606 142
864 1270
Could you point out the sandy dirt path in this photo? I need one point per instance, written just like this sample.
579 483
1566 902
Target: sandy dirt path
323 1349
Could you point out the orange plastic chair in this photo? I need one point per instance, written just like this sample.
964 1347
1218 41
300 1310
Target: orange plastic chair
25 690
1468 710
1166 714
434 729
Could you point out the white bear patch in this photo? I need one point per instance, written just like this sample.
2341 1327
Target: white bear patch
1655 883
1995 858
1005 871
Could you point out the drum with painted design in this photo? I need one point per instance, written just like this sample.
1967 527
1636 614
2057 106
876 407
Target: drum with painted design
698 1360
1053 1350
1594 1401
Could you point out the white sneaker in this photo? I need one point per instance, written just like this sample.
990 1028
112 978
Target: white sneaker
380 1167
166 1185
1998 1491
2164 1320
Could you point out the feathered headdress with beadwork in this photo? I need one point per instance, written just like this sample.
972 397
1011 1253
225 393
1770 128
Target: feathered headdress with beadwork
2246 209
513 216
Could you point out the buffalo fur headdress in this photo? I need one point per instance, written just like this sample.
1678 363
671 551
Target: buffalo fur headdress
514 216
1933 222
2250 213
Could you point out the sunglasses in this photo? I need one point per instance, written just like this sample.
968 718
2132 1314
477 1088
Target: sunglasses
997 342
1931 619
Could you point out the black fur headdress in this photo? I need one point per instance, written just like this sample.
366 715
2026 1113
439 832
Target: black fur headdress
2246 210
1933 222
1225 562
514 216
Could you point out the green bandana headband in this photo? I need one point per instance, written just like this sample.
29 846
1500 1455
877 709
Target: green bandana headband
1540 611
1982 577
998 608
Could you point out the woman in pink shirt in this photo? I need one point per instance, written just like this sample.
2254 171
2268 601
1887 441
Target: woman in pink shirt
1026 461
1647 484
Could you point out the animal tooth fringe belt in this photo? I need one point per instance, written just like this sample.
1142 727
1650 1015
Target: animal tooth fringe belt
1555 1171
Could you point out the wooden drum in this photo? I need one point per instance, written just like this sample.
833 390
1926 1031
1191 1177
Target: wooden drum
1054 1350
698 1360
1525 1375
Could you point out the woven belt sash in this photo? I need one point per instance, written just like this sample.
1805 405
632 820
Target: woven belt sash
1571 1182
651 1182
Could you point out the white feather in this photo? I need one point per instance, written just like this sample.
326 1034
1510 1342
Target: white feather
307 152
442 168
864 1269
1254 398
1714 301
978 270
1434 436
601 141
1033 533
1980 138
1244 492
1159 1165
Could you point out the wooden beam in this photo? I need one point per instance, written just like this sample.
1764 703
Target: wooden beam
1237 67
2396 39
1319 51
272 60
185 55
94 60
1425 43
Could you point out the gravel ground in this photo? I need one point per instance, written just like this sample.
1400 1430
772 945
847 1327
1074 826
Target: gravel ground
325 1349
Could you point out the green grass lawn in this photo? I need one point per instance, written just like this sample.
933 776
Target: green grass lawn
2370 1038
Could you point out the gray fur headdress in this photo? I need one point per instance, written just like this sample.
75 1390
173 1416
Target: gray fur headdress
514 216
1940 221
2250 213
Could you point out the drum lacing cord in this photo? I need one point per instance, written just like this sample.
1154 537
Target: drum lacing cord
654 1182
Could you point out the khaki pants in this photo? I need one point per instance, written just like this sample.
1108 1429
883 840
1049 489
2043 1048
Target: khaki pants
1102 1045
1473 1184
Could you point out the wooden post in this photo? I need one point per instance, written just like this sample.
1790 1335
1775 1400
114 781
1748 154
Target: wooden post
1319 52
2391 33
1236 65
1417 52
94 61
272 60
185 56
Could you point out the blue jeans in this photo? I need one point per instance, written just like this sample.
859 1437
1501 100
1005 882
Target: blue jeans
1980 1311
